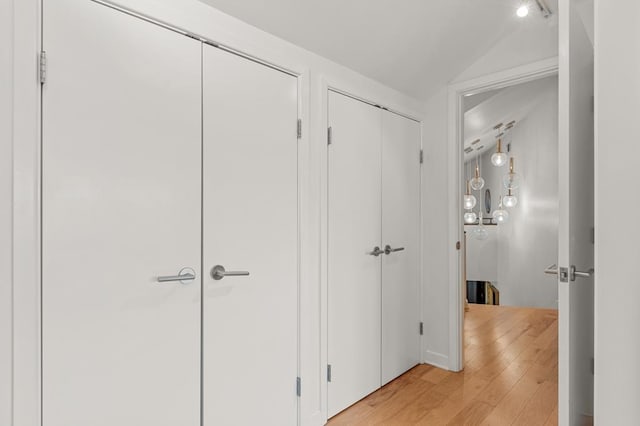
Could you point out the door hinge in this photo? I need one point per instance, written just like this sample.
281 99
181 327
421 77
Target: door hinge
299 128
421 156
457 245
421 328
43 67
329 136
328 372
298 386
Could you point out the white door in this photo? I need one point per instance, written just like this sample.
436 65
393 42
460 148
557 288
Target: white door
354 197
250 220
401 240
120 208
575 295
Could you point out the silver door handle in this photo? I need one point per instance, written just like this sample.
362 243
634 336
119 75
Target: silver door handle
582 274
185 274
376 251
553 269
389 250
218 272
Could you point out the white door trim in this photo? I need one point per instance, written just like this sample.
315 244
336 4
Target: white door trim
496 80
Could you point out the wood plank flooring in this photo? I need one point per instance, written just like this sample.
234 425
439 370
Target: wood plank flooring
510 377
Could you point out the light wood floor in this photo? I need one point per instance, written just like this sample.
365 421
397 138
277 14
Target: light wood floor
510 377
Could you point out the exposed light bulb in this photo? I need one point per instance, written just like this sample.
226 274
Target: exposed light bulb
499 158
522 11
477 182
470 217
509 200
468 201
511 180
500 215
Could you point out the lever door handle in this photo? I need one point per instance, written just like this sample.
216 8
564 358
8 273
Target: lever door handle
552 270
218 272
185 274
583 274
376 251
389 250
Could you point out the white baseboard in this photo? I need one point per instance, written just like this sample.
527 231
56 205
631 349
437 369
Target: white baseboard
436 359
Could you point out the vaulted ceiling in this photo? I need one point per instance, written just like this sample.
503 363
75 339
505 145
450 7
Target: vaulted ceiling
414 46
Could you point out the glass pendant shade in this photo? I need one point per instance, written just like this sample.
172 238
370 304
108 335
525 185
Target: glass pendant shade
499 158
511 180
470 217
509 200
480 233
477 183
469 201
500 215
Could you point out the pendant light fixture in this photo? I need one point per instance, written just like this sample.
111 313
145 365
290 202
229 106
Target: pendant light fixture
469 201
470 217
480 232
500 215
477 183
511 180
509 200
499 158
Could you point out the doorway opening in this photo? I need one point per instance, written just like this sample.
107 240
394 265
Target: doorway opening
510 205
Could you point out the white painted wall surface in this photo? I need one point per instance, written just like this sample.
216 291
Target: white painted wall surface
199 18
617 283
6 195
436 176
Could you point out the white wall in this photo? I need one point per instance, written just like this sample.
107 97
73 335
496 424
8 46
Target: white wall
617 282
6 195
511 52
206 21
528 242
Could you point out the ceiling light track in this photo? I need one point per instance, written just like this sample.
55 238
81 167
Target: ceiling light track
544 9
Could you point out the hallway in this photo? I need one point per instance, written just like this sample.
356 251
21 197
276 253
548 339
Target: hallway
510 377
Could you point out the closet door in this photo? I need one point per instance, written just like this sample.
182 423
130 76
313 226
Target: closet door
401 239
120 208
354 315
250 218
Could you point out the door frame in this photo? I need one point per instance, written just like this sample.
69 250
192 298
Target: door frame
347 89
26 303
456 93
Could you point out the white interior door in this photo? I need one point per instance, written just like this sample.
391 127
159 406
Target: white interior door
401 240
120 207
250 220
576 156
354 197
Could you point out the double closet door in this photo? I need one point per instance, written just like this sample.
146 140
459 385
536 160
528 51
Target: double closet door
165 160
373 248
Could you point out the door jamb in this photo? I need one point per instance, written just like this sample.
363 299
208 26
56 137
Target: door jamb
456 92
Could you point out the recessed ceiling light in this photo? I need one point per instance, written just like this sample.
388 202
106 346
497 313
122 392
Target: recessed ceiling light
522 11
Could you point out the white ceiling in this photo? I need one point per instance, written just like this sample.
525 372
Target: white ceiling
502 106
414 46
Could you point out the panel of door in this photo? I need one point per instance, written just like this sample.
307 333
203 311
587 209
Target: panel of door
121 203
576 190
354 311
401 239
250 221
